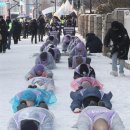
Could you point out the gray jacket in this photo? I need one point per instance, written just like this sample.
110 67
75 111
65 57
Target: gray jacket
43 116
84 120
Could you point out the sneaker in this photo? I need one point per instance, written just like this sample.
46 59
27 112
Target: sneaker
114 73
122 74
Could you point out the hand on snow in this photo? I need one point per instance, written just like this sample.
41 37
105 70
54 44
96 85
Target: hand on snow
77 110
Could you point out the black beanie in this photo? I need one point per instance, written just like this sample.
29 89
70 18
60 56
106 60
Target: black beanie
43 56
83 69
51 38
29 125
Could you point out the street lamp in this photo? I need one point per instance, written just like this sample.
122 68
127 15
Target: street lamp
55 4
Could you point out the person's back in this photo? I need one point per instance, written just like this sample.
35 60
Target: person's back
33 118
93 43
96 117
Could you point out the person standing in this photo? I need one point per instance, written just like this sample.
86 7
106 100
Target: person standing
120 47
4 34
25 28
9 27
15 31
41 27
33 29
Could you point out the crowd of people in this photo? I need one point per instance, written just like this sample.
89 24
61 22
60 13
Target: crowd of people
37 28
31 106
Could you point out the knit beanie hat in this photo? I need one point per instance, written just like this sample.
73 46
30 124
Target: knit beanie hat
43 56
39 68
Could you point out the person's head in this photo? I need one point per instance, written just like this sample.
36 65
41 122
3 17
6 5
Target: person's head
1 17
51 38
29 125
39 69
43 56
115 25
84 70
100 124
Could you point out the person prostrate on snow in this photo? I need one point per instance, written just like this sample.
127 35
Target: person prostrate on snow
43 83
32 97
46 59
32 118
84 70
99 118
39 70
86 95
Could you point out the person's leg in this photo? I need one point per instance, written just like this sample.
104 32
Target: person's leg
121 67
42 36
32 38
0 46
114 64
35 38
39 36
4 46
70 62
9 41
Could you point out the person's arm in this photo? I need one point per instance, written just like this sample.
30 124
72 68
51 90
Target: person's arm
117 123
77 100
12 125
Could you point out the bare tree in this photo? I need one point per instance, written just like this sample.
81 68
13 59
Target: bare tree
119 3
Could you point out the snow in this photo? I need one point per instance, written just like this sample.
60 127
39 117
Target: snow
19 60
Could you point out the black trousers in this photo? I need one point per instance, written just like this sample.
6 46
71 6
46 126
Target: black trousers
34 36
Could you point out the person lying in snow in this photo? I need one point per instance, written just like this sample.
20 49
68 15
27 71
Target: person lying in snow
74 41
55 52
49 41
39 70
46 59
75 84
84 70
31 97
79 49
43 83
99 118
65 42
86 94
32 118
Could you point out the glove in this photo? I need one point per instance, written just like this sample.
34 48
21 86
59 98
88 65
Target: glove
77 110
105 50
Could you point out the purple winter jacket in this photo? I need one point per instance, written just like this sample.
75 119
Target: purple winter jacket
79 49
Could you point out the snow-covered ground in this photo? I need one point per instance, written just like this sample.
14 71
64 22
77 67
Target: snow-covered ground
19 60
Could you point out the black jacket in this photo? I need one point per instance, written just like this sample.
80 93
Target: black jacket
93 43
120 41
